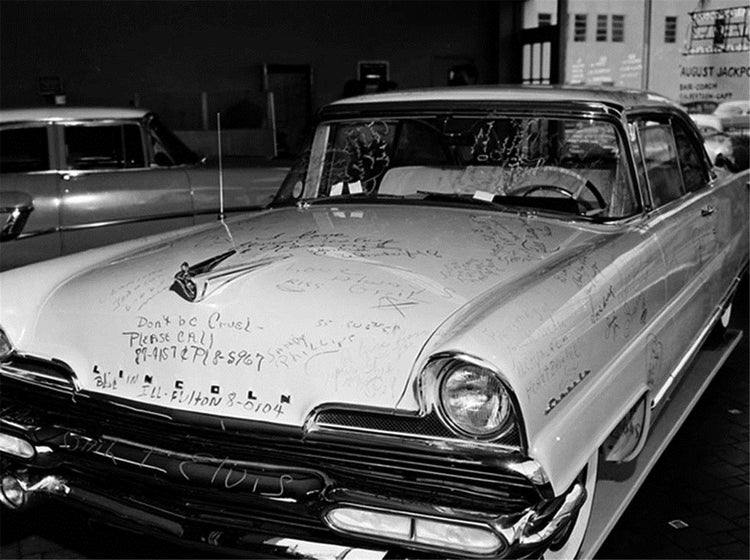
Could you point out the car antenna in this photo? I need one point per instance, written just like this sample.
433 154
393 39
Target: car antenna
221 170
221 182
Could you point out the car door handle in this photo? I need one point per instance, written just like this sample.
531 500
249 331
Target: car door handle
707 210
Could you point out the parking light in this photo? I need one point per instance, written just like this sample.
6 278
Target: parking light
409 529
16 446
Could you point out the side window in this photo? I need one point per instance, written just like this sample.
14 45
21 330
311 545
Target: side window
112 146
694 172
660 160
23 150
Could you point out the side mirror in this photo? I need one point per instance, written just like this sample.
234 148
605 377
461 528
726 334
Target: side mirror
15 208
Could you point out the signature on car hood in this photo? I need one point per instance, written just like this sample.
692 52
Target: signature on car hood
274 314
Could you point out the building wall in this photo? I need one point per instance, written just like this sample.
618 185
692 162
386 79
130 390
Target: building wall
167 52
670 69
687 75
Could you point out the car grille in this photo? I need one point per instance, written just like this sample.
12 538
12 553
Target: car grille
428 426
421 475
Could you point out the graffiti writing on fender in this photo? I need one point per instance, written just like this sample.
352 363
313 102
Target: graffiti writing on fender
654 350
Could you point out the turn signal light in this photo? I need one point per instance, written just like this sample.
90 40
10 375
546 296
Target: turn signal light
16 446
408 529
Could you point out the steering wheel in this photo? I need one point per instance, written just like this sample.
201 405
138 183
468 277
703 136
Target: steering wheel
579 183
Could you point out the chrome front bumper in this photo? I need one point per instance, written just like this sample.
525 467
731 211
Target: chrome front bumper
526 536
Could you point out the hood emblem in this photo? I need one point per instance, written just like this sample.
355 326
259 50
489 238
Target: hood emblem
195 283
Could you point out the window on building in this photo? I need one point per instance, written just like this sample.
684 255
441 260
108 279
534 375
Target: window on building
544 19
618 29
579 29
601 27
670 29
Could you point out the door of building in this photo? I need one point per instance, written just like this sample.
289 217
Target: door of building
290 104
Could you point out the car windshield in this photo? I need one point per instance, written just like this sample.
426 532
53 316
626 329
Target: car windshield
573 165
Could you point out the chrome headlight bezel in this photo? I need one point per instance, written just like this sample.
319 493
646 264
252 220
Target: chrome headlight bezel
439 372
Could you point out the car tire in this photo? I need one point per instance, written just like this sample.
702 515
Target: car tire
569 544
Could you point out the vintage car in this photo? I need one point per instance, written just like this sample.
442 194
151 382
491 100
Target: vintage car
735 116
729 151
75 178
461 308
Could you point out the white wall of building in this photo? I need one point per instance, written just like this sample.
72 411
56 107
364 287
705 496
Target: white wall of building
646 59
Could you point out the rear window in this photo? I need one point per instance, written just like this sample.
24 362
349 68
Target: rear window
24 150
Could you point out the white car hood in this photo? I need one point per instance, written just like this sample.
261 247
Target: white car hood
286 310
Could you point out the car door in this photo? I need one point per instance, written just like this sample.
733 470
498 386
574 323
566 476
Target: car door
682 216
27 163
110 190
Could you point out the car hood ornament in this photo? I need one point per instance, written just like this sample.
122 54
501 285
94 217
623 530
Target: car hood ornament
195 283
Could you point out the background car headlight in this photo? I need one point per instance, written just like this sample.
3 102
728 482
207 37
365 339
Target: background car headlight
474 400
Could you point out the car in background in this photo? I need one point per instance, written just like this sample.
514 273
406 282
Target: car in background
726 134
707 124
729 151
465 310
76 178
700 106
734 116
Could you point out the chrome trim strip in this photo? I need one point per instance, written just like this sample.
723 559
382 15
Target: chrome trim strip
40 378
698 342
128 221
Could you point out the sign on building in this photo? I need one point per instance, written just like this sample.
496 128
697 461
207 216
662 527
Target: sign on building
715 64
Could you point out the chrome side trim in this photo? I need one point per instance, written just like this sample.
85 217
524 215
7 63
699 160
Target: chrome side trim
698 342
128 221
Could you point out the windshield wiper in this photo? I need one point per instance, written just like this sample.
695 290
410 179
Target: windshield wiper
515 203
479 198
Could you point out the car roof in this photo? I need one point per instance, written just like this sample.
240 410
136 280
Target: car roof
618 98
66 113
735 107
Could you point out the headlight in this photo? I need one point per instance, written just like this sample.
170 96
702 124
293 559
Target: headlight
474 400
6 348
